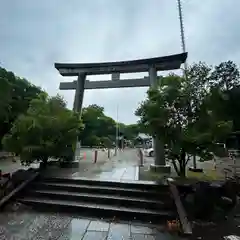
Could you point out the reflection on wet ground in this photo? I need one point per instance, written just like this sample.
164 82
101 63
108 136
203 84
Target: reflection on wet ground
19 222
22 223
116 174
122 167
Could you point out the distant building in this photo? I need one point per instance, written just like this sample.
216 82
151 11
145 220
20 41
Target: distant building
145 140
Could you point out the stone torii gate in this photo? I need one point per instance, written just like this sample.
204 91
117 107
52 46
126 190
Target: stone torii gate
150 65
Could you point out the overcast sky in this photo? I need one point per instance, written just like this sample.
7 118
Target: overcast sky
35 34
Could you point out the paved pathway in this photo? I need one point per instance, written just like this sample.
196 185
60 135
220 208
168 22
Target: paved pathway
25 224
122 167
22 223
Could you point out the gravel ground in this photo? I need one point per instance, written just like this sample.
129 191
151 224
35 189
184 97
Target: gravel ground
19 222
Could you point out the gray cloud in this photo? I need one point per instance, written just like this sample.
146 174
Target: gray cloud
35 34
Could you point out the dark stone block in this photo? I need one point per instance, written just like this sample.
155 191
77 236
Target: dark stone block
21 175
70 164
195 169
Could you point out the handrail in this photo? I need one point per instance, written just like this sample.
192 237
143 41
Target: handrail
186 226
17 189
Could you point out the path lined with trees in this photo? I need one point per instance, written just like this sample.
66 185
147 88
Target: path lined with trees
189 113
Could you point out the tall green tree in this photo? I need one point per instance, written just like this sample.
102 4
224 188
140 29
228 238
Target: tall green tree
165 114
197 87
225 85
47 129
219 84
97 127
100 130
131 131
16 94
225 75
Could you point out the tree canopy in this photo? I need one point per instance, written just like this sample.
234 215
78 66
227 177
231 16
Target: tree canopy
15 94
100 129
192 113
47 129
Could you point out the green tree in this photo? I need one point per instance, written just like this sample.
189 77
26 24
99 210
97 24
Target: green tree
225 75
132 131
47 129
165 114
106 142
15 94
232 107
218 85
97 126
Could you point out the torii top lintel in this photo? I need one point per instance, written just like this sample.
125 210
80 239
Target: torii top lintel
170 62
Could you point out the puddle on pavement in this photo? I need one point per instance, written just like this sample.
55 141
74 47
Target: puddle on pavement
115 174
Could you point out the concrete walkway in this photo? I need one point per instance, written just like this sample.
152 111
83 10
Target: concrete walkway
22 223
123 167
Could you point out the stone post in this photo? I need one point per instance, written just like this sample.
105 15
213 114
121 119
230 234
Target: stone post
158 144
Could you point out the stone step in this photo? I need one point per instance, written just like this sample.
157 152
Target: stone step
100 210
143 185
75 187
115 199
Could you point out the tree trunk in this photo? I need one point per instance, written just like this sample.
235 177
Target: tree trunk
182 163
175 167
43 164
194 162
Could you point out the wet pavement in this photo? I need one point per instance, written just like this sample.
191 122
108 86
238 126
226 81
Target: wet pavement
86 167
22 223
122 167
19 222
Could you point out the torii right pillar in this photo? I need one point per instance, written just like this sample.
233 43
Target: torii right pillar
158 144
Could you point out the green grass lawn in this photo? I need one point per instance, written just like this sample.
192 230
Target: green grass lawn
208 175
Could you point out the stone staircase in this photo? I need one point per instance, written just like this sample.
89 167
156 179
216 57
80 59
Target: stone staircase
104 199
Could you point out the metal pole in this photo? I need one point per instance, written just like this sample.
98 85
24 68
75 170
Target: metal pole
181 25
182 29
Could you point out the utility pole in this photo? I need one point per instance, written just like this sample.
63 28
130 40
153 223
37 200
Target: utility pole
180 15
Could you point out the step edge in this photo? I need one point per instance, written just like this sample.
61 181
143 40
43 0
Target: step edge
134 182
111 208
74 194
98 187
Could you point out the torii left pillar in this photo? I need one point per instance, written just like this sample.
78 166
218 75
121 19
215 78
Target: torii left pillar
77 105
79 93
